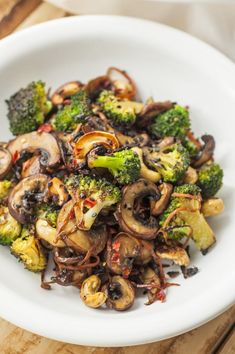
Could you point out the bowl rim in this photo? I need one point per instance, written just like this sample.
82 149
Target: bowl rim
22 315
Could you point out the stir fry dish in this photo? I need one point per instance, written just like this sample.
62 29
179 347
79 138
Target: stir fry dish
111 189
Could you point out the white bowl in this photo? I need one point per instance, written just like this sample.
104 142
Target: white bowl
166 64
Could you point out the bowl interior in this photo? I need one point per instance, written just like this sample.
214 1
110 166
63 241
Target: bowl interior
165 64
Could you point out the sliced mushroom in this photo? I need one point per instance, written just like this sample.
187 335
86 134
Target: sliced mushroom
82 241
151 110
95 86
90 294
212 207
167 141
158 207
31 167
149 277
5 162
120 294
66 90
25 196
57 191
207 151
145 172
123 85
129 220
33 142
90 140
174 253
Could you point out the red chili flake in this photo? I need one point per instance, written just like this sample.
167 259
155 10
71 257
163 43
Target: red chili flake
126 272
115 258
46 128
15 156
89 203
116 245
161 296
66 102
71 214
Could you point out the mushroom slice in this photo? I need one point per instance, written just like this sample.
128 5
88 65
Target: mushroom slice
66 90
31 167
123 85
167 141
95 86
174 253
145 172
151 110
25 195
33 142
90 140
129 217
158 207
149 277
120 294
5 162
207 151
82 241
190 176
57 191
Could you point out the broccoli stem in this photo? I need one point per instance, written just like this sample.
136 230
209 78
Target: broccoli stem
112 163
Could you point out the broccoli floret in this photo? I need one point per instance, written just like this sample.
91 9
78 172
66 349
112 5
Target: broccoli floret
189 221
92 195
123 165
210 178
119 111
68 118
171 162
9 228
27 108
5 187
174 122
29 251
190 147
49 213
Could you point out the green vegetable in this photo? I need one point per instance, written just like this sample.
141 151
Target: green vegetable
190 218
210 178
174 122
9 228
27 108
190 147
94 195
171 162
123 165
119 111
49 213
5 187
68 118
29 251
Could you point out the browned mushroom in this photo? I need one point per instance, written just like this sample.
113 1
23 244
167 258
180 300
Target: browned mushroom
5 162
142 226
207 151
57 191
95 86
123 85
167 141
149 277
145 172
33 142
174 253
120 293
158 207
31 167
66 90
151 110
25 196
81 241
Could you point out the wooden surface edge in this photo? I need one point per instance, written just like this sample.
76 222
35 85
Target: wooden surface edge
16 14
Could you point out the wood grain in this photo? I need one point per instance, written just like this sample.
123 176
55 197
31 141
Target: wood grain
13 12
203 340
217 336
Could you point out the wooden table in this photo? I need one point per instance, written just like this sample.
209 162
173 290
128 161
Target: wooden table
217 336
